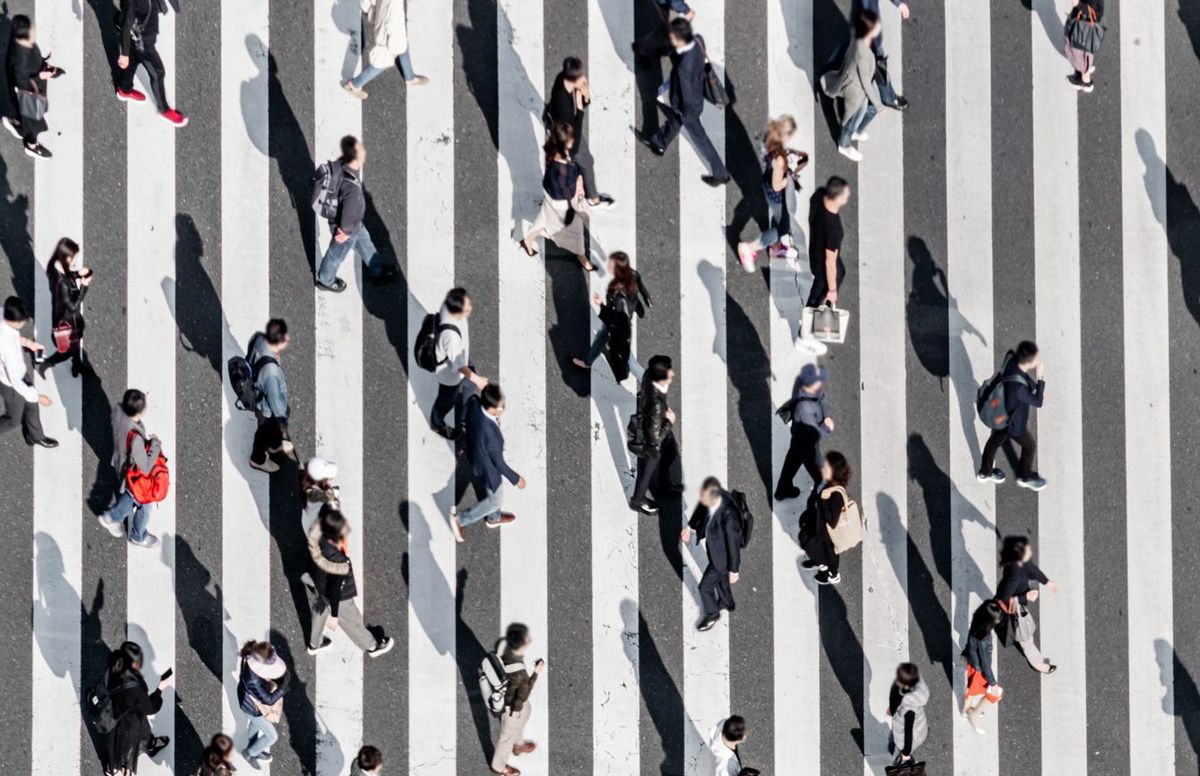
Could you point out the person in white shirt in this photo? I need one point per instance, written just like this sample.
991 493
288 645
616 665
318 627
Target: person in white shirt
454 363
20 399
723 742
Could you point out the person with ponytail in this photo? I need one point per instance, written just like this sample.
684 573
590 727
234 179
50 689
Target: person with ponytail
626 292
261 686
564 216
780 166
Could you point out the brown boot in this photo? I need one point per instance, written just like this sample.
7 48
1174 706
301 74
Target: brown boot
525 747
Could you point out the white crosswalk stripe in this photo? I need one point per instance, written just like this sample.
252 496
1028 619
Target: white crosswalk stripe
698 668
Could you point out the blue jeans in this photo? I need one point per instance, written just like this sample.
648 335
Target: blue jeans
360 243
127 510
488 507
262 735
781 223
856 123
370 72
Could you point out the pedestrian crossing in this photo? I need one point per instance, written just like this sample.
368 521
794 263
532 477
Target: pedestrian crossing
199 236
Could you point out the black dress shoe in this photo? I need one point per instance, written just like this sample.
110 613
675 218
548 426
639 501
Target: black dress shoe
654 149
783 494
707 622
644 508
45 442
714 181
157 745
901 103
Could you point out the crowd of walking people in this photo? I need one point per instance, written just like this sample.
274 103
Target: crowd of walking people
468 409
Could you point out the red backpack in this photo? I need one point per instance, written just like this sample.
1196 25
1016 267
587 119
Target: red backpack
146 487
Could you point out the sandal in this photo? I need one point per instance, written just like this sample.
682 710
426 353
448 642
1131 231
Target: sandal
525 247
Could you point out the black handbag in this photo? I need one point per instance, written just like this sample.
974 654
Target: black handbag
1084 31
31 104
906 769
714 86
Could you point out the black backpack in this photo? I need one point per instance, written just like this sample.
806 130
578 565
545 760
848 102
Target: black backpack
635 432
241 378
425 348
98 706
738 499
326 183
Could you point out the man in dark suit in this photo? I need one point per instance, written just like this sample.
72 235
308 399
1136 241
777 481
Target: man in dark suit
1025 390
485 451
717 523
660 459
685 101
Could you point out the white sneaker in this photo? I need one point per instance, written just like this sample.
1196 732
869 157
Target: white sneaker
861 137
116 529
286 447
149 542
12 128
382 648
747 256
851 153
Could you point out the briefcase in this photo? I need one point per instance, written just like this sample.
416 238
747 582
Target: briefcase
906 769
827 323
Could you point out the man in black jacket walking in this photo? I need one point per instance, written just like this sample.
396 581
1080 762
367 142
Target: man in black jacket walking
1020 395
717 523
660 450
685 101
348 230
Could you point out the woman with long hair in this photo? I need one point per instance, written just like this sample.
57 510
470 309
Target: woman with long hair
214 760
132 706
981 680
626 292
824 511
780 167
564 215
68 287
263 681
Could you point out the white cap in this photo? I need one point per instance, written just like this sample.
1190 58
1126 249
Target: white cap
319 469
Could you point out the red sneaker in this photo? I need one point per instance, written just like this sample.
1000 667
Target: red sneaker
174 117
133 95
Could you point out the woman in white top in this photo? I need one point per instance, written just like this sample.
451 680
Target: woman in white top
389 44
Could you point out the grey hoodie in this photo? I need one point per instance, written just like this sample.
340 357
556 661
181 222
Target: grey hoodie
914 700
142 458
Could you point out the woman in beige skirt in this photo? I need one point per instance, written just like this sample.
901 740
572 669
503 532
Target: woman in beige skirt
564 216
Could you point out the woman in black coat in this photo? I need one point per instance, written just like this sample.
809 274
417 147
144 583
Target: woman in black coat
626 294
132 705
27 72
68 287
824 510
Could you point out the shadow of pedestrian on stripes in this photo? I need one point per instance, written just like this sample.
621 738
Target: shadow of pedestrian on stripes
298 710
1180 219
831 39
660 694
105 11
199 315
749 369
844 652
1048 16
470 656
286 145
1189 15
569 332
744 161
16 241
388 302
1181 697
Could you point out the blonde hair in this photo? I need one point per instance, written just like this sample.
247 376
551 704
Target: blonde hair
776 132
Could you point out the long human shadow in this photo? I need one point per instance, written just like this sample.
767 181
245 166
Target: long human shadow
831 34
198 605
614 406
388 301
945 530
570 333
845 654
936 329
665 702
287 529
742 159
288 147
1181 697
97 432
751 378
469 657
1049 19
298 711
1189 15
104 11
1180 220
16 241
197 335
887 517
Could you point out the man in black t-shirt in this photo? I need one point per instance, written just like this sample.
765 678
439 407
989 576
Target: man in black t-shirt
825 242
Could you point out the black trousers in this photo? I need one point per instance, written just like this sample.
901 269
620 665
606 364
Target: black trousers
267 437
715 591
820 286
17 411
656 44
155 68
996 440
804 451
449 397
652 471
668 131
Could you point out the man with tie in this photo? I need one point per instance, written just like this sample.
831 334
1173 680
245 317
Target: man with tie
717 523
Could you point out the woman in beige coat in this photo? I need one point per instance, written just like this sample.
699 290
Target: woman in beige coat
389 45
855 84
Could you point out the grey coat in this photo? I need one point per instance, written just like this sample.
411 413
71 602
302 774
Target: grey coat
914 700
142 458
855 82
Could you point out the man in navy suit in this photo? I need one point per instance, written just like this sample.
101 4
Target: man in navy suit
716 521
485 451
685 101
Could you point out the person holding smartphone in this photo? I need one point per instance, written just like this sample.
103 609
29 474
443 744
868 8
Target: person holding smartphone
132 706
68 286
510 739
28 73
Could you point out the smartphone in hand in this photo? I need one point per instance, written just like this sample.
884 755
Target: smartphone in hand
167 675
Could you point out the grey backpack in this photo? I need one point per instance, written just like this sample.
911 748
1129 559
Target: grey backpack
493 678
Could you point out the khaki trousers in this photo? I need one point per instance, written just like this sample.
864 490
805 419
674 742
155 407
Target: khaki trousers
512 732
